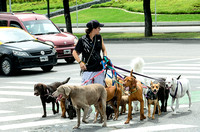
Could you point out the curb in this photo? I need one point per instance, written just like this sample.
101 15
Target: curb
148 39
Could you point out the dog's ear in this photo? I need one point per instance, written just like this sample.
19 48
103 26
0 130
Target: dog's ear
178 77
67 90
131 73
159 85
151 83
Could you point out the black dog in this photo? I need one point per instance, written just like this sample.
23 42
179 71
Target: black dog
109 111
70 108
163 95
45 92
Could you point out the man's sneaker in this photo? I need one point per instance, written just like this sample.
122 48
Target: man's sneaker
89 112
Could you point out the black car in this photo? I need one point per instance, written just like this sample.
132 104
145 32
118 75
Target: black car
18 50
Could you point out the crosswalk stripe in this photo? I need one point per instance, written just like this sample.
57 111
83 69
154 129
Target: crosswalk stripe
169 71
15 87
19 117
16 93
34 124
8 100
154 128
5 111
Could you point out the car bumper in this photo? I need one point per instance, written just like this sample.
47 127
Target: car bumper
65 53
30 62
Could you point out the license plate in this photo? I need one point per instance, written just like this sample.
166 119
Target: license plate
44 58
68 51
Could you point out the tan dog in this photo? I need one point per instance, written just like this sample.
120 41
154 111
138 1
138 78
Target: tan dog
135 93
124 101
152 96
83 97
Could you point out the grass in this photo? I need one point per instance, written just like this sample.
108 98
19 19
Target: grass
162 6
119 15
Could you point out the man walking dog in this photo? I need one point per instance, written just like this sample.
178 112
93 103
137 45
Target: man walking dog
90 46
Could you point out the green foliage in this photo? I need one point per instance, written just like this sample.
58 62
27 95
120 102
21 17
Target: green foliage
32 5
162 6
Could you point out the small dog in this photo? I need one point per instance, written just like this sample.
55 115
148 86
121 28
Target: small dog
45 93
109 111
70 108
152 96
178 87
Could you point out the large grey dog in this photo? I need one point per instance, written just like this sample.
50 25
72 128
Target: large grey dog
83 97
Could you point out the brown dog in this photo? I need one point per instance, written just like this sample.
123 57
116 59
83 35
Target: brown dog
45 92
135 93
83 97
152 96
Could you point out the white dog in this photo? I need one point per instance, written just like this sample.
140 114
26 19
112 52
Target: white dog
137 65
178 88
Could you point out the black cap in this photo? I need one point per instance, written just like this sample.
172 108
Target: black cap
94 24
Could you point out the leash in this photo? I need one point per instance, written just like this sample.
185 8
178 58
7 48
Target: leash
136 73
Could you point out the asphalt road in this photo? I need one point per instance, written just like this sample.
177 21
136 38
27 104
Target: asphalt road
21 111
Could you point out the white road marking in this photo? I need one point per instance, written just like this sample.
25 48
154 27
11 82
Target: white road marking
174 71
185 65
171 68
16 87
154 128
9 99
16 93
20 117
5 111
33 124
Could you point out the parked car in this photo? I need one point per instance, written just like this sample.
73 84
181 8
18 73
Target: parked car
43 29
19 49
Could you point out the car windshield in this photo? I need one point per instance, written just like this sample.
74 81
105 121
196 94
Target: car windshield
10 35
40 27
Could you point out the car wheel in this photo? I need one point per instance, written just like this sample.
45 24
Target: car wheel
69 60
7 67
46 68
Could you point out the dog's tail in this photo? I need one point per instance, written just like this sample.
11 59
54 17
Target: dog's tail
137 65
66 81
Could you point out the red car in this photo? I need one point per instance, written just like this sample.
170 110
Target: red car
44 30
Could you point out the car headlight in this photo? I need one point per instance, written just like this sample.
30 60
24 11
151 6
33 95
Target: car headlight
54 51
50 43
20 53
75 40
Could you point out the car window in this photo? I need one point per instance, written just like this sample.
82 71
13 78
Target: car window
39 27
3 23
13 35
15 24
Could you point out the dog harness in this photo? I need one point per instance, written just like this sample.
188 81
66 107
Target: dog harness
174 96
151 95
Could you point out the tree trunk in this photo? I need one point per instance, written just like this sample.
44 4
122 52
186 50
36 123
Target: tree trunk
3 6
67 16
148 19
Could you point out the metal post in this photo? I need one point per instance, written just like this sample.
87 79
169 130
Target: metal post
10 5
76 14
155 15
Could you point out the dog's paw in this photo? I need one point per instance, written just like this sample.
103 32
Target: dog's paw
63 116
127 122
44 116
104 125
85 121
76 127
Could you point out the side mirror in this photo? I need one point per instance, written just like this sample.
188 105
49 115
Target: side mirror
62 29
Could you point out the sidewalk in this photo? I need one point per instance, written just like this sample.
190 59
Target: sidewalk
138 27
